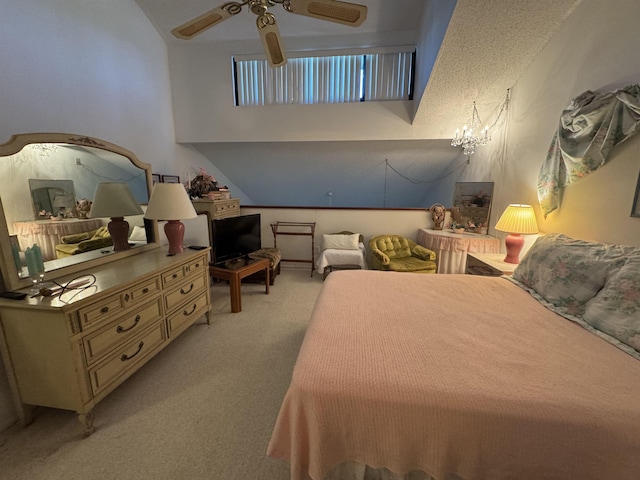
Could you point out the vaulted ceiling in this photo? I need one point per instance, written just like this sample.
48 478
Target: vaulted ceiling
487 46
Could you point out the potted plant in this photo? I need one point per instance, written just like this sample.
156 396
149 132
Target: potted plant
201 184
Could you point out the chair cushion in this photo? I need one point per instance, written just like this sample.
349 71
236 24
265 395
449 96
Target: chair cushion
411 264
393 246
273 254
341 241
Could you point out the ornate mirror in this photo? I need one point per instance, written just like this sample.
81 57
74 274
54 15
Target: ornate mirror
473 202
47 175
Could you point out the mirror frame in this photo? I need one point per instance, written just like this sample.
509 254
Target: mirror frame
15 144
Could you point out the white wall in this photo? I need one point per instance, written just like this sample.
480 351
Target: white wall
207 114
596 49
367 222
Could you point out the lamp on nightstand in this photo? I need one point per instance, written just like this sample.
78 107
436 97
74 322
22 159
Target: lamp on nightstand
115 200
169 201
517 220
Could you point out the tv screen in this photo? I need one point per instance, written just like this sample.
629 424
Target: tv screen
235 237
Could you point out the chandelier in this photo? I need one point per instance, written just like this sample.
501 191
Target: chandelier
476 134
469 140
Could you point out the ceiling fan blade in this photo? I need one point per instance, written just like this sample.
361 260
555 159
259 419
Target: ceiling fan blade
271 41
346 13
201 23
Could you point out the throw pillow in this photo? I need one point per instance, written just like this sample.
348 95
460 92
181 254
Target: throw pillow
615 310
138 234
567 272
341 241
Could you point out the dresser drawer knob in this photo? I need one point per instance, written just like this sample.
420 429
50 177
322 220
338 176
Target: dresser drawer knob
186 314
183 292
122 330
175 275
126 297
104 309
145 290
126 357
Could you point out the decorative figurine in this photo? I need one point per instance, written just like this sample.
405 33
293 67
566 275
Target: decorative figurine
437 214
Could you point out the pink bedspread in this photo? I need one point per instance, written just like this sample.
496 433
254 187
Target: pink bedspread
456 374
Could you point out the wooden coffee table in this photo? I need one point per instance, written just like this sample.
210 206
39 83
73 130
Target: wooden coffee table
234 271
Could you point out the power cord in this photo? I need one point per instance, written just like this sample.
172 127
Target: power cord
79 284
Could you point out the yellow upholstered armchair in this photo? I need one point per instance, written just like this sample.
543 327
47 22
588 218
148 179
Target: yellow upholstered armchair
399 254
83 242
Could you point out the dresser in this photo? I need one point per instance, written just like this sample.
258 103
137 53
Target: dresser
224 208
72 350
452 248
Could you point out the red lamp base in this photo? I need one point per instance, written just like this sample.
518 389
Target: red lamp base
174 230
514 243
119 230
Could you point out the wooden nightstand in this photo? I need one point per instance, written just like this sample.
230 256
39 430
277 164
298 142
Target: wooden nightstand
488 264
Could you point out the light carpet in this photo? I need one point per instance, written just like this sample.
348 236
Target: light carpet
203 408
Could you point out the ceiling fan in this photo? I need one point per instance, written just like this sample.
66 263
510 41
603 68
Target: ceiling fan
346 13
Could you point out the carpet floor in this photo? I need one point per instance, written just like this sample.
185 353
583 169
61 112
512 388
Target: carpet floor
203 408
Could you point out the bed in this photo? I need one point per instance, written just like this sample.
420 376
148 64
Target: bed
467 377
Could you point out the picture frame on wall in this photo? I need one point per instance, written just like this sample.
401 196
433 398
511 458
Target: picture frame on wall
156 178
170 179
635 209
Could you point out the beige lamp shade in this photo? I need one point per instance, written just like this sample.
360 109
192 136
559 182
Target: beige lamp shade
114 199
518 218
169 201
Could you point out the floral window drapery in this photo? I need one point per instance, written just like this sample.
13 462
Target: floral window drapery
589 128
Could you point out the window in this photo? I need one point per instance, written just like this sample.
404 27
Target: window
326 79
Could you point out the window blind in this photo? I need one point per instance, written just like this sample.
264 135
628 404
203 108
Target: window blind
326 79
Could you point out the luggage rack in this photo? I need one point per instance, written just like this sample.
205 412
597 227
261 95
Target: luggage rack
295 228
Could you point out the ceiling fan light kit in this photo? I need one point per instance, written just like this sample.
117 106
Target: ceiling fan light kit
345 13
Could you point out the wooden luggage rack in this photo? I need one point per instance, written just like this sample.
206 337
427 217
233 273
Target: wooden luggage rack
295 228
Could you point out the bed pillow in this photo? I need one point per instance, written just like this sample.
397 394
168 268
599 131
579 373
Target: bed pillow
615 310
138 234
341 241
567 272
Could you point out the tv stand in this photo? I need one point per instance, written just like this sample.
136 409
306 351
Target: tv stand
233 271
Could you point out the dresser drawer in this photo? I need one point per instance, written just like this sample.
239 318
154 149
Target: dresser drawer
174 276
101 311
194 285
142 291
125 360
199 264
113 305
226 208
121 330
187 315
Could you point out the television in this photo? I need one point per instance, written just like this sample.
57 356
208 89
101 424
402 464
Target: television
235 237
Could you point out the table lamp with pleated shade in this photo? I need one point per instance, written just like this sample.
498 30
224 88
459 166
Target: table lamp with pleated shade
170 202
115 200
517 220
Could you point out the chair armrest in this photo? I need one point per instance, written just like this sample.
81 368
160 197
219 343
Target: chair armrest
94 243
77 237
380 256
423 253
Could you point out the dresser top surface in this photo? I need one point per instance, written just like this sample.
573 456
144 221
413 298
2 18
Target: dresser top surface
107 278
